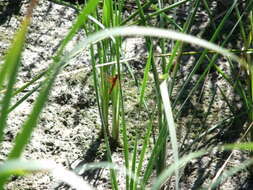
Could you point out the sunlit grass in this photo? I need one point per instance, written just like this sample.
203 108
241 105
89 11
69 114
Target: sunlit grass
106 26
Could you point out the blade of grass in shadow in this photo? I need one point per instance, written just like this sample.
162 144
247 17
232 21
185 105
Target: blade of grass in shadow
200 60
206 132
217 179
206 115
24 167
30 92
230 172
230 106
11 65
170 7
171 125
208 10
177 49
26 85
143 152
159 145
241 26
203 75
167 173
162 24
145 6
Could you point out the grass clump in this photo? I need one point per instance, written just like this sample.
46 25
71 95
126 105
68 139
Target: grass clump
106 26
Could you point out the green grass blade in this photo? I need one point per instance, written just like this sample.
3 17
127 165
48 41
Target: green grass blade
203 55
141 12
82 17
177 4
24 97
31 122
28 126
145 77
239 89
134 161
171 125
241 25
26 85
143 151
239 146
96 86
10 68
115 114
230 106
148 31
145 6
23 138
177 49
107 13
113 175
159 145
174 167
122 114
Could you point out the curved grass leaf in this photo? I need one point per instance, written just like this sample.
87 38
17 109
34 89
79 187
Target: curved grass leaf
24 167
148 31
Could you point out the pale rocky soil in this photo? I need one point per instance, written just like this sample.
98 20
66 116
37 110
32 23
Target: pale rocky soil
69 129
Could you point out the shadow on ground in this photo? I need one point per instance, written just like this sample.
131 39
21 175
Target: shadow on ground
228 132
93 154
9 8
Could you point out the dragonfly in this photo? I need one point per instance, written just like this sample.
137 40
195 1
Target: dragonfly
113 81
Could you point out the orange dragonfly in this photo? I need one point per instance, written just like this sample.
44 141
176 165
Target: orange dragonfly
113 81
